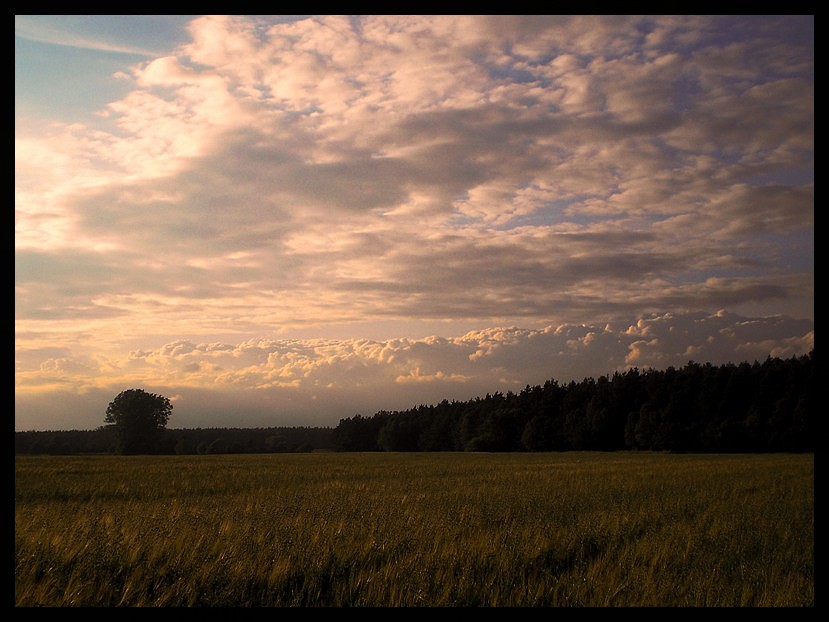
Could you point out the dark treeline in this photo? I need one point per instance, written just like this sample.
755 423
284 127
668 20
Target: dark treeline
760 407
180 441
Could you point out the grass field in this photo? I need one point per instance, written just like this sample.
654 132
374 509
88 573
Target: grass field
443 529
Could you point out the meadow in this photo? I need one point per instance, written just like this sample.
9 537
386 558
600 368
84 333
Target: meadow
415 529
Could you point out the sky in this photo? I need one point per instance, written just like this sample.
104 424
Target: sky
290 220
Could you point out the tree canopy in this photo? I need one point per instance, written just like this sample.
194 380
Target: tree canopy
758 407
138 418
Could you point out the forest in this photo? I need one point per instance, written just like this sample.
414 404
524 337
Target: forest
747 407
182 441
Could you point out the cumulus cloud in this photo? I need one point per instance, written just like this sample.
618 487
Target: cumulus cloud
269 177
323 380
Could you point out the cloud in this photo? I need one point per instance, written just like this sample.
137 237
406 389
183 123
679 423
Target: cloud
272 177
322 380
27 28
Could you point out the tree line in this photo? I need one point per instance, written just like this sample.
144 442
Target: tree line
104 440
759 407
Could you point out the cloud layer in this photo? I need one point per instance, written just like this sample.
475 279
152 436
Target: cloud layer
270 179
316 382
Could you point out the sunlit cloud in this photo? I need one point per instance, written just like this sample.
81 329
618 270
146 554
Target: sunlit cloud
433 368
269 178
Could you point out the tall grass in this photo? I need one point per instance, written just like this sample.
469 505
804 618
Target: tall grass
439 529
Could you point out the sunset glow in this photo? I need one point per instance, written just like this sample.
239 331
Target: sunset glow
287 221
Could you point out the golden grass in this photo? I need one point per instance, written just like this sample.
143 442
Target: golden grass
443 529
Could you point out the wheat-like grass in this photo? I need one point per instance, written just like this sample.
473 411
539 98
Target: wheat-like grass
448 529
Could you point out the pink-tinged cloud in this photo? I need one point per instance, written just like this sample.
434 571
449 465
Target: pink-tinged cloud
273 200
320 381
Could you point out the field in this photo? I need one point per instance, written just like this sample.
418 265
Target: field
400 529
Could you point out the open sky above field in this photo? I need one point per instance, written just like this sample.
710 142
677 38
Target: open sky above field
288 220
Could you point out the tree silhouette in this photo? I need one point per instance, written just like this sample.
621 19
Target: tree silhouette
138 418
761 407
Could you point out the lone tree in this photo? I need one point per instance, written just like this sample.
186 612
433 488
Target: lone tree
139 419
